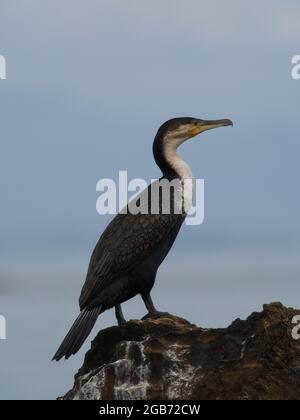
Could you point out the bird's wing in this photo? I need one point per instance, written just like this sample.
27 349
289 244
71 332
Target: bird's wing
126 241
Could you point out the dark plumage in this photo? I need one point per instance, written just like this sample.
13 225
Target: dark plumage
128 254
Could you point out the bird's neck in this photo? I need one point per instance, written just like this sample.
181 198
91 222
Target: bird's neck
174 168
171 165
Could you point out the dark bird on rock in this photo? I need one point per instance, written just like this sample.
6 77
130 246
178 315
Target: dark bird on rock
135 243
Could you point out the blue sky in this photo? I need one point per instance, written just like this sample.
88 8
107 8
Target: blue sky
88 84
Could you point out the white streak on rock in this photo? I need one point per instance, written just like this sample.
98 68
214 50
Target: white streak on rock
130 381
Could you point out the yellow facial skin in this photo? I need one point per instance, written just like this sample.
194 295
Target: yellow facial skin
195 131
207 125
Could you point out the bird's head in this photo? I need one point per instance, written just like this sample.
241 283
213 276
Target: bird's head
175 132
179 130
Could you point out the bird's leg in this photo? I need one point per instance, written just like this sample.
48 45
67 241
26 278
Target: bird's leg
152 311
119 315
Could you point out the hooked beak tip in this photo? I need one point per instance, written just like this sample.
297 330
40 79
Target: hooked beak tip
227 123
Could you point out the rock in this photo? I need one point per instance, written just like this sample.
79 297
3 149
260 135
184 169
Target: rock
169 358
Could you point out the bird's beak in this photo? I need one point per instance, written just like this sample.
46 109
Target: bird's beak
203 125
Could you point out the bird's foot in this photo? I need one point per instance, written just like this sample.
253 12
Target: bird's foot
155 315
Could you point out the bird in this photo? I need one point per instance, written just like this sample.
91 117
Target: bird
128 254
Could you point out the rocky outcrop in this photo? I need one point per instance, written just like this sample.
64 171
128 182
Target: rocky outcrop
169 358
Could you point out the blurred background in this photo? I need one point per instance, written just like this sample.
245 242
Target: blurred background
88 84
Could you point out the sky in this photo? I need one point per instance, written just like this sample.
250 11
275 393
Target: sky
88 84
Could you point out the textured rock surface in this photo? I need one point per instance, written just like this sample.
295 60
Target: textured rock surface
169 358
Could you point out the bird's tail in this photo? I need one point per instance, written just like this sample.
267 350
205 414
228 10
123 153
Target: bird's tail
77 334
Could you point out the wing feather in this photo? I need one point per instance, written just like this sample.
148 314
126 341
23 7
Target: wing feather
126 241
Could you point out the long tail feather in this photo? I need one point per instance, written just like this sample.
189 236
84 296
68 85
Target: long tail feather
77 334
